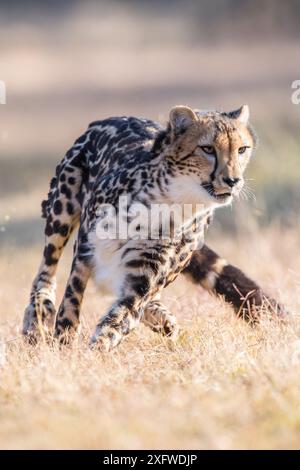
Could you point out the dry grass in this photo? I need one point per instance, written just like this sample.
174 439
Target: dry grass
223 385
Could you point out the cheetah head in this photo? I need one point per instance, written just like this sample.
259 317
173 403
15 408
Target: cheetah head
209 151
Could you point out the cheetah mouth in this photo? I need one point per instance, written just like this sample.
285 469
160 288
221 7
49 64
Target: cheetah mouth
217 197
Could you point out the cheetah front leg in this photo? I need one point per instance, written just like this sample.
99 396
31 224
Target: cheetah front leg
139 302
122 317
143 278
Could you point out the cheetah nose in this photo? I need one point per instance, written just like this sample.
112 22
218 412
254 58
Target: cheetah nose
231 181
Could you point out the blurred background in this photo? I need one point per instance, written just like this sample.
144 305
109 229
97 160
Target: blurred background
68 63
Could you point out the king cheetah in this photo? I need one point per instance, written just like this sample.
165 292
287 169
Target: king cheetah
198 159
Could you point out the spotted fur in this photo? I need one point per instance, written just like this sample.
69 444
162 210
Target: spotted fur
196 158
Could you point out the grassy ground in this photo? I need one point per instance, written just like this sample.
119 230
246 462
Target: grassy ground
222 385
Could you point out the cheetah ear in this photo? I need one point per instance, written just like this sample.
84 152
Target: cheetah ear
182 117
241 114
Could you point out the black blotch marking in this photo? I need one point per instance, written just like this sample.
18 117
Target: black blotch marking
65 323
48 254
77 284
69 292
140 284
48 230
74 301
64 230
66 191
57 207
70 208
128 302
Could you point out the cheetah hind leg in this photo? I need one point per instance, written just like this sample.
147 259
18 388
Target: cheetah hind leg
61 219
160 319
40 314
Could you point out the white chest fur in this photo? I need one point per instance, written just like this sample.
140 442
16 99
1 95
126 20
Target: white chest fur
108 271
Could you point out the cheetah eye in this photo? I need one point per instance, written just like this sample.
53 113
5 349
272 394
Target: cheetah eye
243 149
208 149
